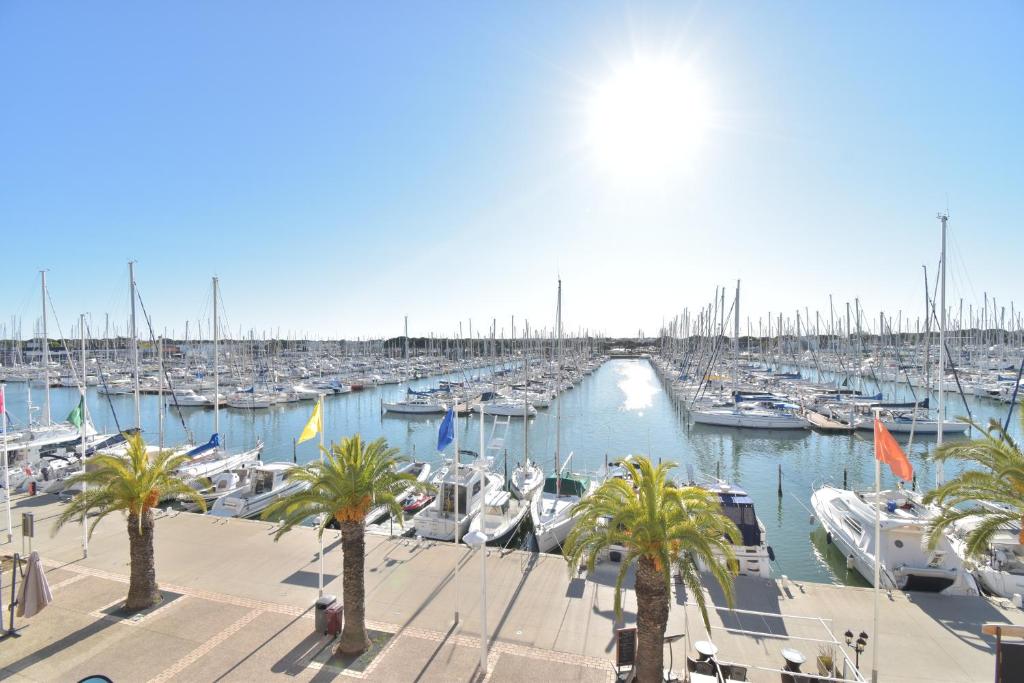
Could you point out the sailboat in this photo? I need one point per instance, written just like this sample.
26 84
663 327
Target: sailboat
212 458
552 511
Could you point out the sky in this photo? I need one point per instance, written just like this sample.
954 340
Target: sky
342 165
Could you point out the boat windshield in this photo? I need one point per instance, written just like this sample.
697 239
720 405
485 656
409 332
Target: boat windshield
264 482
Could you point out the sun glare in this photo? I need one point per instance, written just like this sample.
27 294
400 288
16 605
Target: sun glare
647 119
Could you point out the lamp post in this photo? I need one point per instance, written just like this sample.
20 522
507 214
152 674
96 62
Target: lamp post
478 539
856 645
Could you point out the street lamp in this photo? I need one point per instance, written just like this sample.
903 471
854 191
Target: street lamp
857 645
478 540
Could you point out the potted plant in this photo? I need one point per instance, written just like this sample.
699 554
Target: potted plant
827 660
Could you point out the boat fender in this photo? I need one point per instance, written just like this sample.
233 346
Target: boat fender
771 553
828 537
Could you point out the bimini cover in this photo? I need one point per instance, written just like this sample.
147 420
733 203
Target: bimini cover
206 447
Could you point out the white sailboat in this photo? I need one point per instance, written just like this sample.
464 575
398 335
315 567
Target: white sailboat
552 511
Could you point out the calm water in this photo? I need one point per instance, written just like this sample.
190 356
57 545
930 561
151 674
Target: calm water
620 409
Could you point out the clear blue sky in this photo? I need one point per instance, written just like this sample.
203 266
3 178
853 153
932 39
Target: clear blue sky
340 165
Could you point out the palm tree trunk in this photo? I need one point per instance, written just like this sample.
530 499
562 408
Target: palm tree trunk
651 618
353 590
142 589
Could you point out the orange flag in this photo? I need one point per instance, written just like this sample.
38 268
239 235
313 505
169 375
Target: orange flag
889 452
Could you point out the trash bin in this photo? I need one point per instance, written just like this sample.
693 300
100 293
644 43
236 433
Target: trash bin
320 618
335 619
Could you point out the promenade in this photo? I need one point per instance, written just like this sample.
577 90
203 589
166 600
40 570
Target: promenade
239 608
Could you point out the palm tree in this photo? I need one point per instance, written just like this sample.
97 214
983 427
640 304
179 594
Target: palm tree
134 484
660 526
991 489
354 477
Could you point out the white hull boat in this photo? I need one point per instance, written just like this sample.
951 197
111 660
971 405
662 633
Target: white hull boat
268 483
749 418
849 521
551 511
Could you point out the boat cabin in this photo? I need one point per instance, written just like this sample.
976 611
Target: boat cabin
739 507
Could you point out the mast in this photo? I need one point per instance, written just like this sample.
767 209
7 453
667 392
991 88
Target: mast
160 390
736 345
135 348
216 363
939 474
46 351
526 396
558 389
84 429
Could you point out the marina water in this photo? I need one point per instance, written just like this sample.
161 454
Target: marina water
620 409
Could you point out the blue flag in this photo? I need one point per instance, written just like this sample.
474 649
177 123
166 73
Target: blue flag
446 433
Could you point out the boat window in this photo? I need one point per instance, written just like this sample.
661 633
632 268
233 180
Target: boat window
853 524
898 543
448 493
264 482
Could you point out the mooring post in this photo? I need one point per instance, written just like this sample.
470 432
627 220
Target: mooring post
780 480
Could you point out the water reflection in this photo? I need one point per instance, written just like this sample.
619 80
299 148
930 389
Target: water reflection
638 386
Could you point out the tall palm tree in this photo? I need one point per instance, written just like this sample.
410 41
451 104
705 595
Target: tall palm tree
353 478
660 526
133 484
991 489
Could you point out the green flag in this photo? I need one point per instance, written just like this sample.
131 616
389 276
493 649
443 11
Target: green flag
78 414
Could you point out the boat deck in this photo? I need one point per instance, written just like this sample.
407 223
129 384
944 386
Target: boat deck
244 613
824 424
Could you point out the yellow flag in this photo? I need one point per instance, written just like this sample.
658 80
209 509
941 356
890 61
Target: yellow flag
315 424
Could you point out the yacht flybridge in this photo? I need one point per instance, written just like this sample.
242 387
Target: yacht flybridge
753 554
906 563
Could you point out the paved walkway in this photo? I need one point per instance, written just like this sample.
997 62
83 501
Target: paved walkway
244 613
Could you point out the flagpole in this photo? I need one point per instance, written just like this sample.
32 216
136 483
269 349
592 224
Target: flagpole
7 471
85 425
455 425
320 581
878 554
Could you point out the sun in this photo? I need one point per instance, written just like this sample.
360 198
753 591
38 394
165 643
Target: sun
647 119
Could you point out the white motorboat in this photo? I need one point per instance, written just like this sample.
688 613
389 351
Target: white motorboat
753 554
268 483
462 490
501 516
308 393
526 480
849 521
188 398
1000 570
222 484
